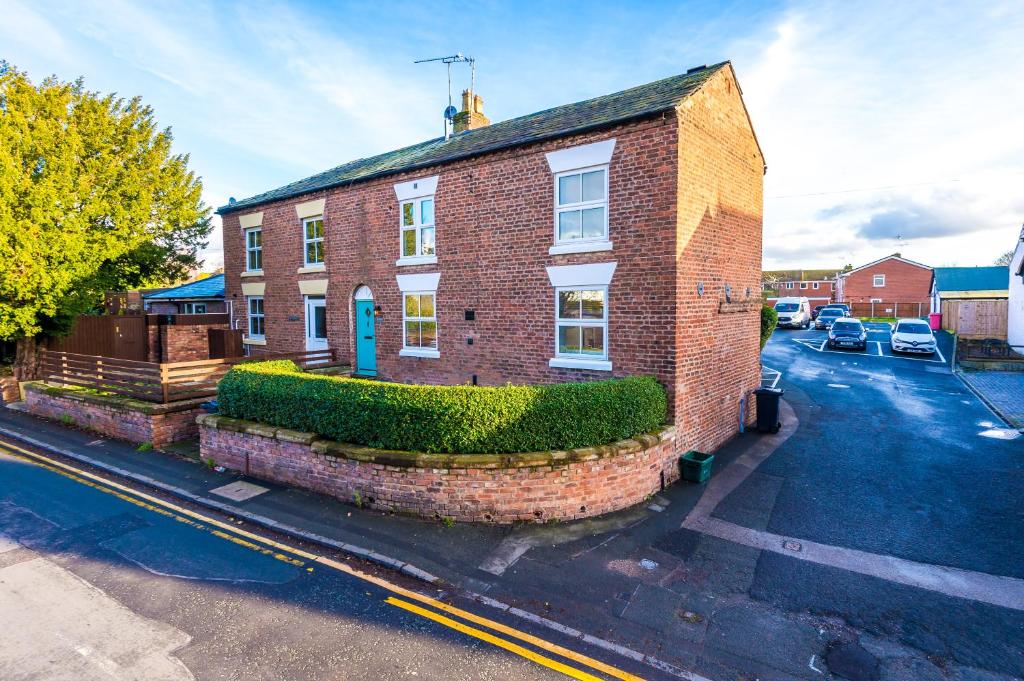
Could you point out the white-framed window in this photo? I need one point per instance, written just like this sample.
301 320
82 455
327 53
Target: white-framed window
193 308
581 322
581 205
257 321
254 249
417 225
313 240
815 285
789 284
419 320
876 300
878 280
803 284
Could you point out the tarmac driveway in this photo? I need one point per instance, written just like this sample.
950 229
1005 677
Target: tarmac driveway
893 456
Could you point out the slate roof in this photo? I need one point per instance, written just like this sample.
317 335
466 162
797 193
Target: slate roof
798 275
995 278
210 287
636 102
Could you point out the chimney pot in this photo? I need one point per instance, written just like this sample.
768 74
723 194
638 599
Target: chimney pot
472 114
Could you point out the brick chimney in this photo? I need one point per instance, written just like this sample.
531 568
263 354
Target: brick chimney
472 114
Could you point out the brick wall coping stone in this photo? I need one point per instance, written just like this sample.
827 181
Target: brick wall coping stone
120 401
404 459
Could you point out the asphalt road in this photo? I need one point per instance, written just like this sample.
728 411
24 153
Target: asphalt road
96 583
894 456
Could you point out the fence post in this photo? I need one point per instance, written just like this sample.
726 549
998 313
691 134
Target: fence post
896 310
164 385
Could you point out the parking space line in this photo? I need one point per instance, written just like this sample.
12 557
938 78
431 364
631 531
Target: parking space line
878 346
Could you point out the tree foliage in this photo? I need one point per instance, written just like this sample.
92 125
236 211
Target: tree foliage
1004 259
769 320
91 197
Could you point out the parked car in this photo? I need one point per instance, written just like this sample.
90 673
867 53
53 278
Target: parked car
847 332
842 306
794 313
827 316
815 311
912 335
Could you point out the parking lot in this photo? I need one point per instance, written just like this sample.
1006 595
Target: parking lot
895 457
878 343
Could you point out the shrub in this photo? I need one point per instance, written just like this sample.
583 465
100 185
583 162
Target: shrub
769 318
449 419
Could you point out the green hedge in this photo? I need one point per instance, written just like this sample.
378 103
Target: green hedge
769 320
451 419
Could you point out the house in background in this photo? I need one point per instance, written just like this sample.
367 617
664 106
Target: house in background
818 286
890 283
202 296
612 237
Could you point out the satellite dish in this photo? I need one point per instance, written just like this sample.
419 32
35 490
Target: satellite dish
450 112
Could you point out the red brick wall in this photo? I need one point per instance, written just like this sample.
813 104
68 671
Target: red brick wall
9 391
904 283
171 424
494 217
180 343
718 243
561 491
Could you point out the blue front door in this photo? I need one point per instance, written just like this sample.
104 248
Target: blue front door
366 339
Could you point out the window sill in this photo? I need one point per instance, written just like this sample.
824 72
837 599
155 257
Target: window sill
309 269
574 363
252 273
582 247
417 260
253 341
419 352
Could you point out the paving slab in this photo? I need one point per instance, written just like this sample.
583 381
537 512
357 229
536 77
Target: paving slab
1003 390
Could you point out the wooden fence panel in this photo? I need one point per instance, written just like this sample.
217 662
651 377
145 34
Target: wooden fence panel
225 343
976 318
121 337
893 310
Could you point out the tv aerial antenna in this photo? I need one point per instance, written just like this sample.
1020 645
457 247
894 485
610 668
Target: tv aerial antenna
449 113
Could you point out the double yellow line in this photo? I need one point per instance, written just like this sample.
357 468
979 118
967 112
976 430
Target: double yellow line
301 558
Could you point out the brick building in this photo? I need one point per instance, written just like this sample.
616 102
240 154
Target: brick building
203 296
611 237
818 286
890 280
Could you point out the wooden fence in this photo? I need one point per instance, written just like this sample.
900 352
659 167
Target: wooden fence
975 318
893 310
124 336
118 337
152 382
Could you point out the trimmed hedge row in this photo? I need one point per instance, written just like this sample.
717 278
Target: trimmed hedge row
457 419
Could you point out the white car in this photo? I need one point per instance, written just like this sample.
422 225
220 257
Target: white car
912 335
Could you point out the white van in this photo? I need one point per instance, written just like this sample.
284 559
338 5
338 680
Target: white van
794 313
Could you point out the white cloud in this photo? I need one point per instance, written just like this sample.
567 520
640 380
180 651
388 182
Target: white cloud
920 101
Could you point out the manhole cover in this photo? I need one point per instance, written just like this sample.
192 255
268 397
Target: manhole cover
239 490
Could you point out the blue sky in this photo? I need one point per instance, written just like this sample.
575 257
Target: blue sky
887 126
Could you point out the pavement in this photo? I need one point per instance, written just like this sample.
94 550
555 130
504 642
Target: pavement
1003 391
876 536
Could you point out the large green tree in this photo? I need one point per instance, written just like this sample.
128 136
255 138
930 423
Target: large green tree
91 198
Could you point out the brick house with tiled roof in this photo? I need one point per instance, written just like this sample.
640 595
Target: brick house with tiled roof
611 237
888 280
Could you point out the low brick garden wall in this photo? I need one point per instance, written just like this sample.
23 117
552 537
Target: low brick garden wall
114 416
9 391
505 488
